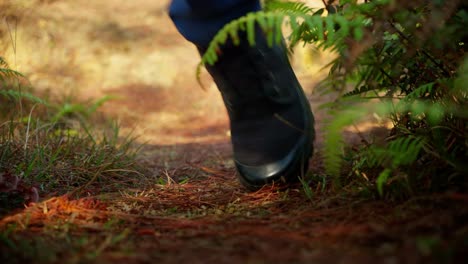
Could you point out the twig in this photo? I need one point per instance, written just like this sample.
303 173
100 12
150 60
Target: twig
93 179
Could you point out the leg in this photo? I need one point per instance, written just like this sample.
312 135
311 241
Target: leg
199 20
271 122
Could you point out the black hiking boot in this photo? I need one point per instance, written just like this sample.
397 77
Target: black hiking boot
272 126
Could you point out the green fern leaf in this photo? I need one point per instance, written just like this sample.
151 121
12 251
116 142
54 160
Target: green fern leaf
278 29
250 22
358 33
382 179
330 25
288 6
421 91
17 95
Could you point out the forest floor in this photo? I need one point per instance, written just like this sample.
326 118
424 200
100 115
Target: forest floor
194 209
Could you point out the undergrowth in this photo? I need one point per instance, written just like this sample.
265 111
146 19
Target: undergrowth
403 61
51 148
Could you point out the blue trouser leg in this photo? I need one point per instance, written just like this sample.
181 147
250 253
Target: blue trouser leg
199 20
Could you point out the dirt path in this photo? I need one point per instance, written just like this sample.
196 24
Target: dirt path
196 211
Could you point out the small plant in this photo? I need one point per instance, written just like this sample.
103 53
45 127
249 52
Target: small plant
306 188
78 110
53 148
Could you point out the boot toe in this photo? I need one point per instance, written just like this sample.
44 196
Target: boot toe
284 170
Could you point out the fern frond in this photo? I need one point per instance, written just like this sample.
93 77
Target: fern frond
270 22
6 72
359 90
334 142
328 31
288 6
20 95
399 152
421 91
3 63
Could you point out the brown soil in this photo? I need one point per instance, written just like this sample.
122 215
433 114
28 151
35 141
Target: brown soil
197 211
